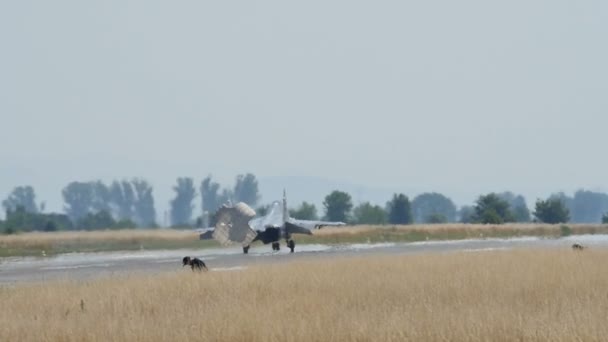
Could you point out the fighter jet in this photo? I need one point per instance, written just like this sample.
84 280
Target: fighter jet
238 225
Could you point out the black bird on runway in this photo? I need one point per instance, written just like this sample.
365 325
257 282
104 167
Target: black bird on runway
194 263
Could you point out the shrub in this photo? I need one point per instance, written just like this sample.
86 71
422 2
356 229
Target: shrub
551 211
437 218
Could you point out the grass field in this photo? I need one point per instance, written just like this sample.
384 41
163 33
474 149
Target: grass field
421 232
545 295
33 244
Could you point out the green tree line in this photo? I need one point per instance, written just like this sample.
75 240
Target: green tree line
130 203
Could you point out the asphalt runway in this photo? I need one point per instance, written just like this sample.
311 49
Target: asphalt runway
87 265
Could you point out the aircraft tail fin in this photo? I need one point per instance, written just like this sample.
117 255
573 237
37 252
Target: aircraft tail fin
285 210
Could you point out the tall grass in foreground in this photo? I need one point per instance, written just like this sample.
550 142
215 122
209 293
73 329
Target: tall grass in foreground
546 295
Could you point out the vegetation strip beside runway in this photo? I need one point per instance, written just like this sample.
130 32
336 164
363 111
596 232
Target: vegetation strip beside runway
47 244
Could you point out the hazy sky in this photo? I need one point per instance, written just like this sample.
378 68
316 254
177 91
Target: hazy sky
461 97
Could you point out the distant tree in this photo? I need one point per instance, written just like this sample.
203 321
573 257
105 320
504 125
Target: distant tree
123 199
212 199
565 199
306 211
338 205
50 226
129 197
145 213
366 213
225 197
400 210
57 221
585 206
605 218
210 195
21 196
466 214
79 198
102 197
492 209
20 220
124 224
98 220
517 205
521 214
436 218
588 206
181 205
426 205
262 210
552 210
118 201
246 189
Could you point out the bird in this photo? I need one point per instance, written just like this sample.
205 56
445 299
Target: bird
577 247
194 263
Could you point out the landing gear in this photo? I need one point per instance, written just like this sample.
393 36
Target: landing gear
276 246
291 244
245 249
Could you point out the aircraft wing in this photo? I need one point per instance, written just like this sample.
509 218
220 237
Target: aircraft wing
310 225
233 225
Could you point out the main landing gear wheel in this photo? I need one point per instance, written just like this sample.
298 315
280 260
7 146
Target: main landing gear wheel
276 246
245 249
292 245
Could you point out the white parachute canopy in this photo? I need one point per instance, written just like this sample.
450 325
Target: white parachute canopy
233 225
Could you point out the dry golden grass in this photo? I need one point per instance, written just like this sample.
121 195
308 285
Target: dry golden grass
545 295
411 233
465 228
95 241
59 242
36 238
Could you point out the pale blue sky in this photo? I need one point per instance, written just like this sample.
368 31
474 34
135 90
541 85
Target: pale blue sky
461 97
